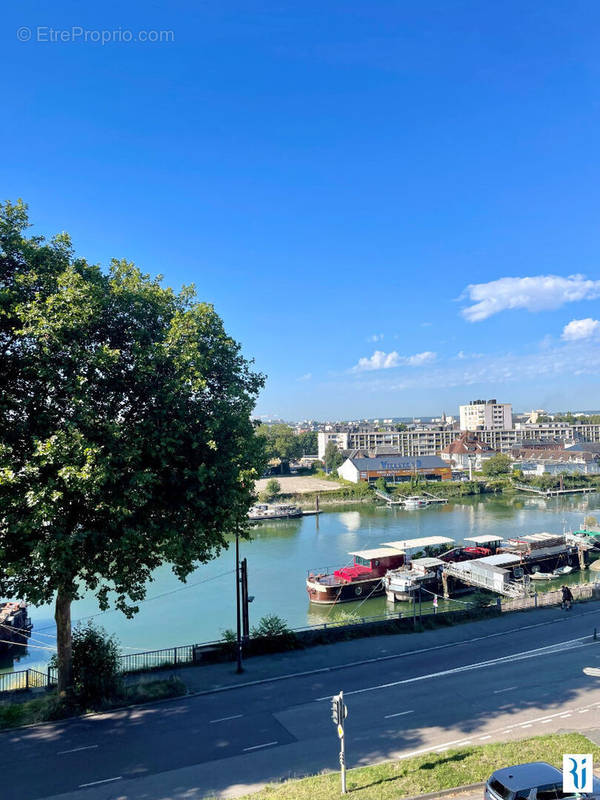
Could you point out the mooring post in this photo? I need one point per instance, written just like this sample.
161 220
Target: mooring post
595 634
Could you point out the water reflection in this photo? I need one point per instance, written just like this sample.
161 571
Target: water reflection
351 520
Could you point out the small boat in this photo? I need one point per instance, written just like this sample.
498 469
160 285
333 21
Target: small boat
542 576
566 570
415 501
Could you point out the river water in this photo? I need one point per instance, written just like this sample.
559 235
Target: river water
279 557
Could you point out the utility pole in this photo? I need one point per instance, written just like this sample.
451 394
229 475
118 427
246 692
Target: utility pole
339 712
240 668
245 601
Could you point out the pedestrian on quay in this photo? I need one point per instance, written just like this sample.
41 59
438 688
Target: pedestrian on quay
567 598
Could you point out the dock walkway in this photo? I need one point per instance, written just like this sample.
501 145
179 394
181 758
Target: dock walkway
554 492
460 570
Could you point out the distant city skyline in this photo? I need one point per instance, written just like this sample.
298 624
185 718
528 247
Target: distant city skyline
393 208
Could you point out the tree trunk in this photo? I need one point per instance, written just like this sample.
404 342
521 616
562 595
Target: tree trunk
64 648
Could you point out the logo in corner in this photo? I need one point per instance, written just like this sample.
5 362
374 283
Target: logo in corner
578 775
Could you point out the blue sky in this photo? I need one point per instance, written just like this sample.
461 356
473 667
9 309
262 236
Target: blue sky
385 201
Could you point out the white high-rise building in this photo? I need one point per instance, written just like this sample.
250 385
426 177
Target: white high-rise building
486 415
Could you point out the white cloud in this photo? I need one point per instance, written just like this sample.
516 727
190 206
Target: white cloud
305 377
538 293
420 358
580 329
554 365
381 360
376 337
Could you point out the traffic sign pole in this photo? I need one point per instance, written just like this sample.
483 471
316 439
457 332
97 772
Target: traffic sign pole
339 712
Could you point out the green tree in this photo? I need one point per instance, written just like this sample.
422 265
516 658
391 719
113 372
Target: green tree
333 457
496 466
126 439
308 443
381 485
272 488
280 441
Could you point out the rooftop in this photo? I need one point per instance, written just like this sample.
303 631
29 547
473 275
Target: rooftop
424 541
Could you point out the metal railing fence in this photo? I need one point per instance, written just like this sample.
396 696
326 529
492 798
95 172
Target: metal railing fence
187 654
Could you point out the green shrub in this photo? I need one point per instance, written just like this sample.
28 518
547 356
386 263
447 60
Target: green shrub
271 625
271 635
272 489
95 665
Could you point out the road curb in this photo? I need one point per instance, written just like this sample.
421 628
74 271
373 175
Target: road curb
469 787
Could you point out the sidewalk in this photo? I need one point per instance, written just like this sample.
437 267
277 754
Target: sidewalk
276 666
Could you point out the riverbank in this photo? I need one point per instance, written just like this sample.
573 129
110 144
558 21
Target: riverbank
362 493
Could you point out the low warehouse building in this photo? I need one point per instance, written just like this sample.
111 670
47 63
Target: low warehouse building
394 469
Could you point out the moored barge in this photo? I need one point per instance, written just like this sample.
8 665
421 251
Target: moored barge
15 626
503 567
264 511
365 577
362 579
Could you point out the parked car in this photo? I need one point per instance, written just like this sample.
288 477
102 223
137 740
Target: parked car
534 781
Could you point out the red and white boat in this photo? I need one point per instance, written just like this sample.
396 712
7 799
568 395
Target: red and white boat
362 579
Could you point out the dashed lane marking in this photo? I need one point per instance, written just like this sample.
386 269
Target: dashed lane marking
95 783
257 746
76 749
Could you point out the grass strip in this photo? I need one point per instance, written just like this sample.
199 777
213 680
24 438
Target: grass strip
431 772
49 707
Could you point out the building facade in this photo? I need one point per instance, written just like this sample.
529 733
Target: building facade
394 469
486 415
467 452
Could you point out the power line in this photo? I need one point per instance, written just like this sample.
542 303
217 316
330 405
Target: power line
155 597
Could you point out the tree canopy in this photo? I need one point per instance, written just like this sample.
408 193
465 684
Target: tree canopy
497 465
333 457
282 442
126 438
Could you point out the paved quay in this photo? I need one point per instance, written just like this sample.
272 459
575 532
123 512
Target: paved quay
502 679
376 649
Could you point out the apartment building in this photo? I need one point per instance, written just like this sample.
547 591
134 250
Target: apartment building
486 415
431 441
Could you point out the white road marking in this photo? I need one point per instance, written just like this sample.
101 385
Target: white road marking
562 716
438 748
580 641
508 689
545 721
583 710
256 746
399 714
336 667
95 783
489 736
76 749
594 672
224 719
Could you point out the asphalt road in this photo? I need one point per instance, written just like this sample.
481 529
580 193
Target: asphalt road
506 684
